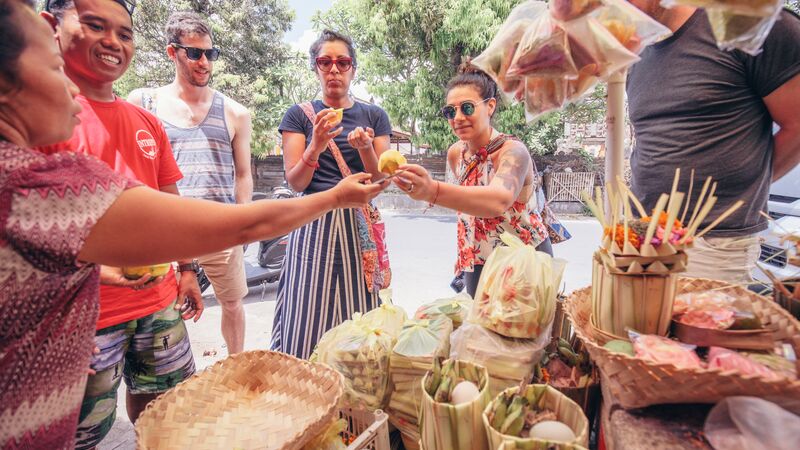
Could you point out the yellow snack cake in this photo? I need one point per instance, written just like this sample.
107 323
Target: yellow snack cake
390 160
156 270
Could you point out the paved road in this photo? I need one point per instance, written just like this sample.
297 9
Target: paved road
422 251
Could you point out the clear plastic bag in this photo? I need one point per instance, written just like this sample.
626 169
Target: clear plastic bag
749 423
387 317
633 28
498 56
456 309
516 294
361 354
508 360
726 360
425 338
544 51
591 43
542 95
741 32
661 350
572 9
746 7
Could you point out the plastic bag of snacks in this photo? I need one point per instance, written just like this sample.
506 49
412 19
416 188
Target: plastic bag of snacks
633 29
661 350
420 342
591 43
737 24
456 309
361 353
516 294
387 317
498 56
544 51
572 9
508 360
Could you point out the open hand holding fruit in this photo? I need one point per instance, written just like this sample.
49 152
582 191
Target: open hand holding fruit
416 182
325 129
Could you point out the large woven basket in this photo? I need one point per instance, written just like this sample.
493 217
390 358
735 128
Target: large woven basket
257 399
636 383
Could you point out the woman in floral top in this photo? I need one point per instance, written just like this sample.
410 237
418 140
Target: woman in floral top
497 180
62 214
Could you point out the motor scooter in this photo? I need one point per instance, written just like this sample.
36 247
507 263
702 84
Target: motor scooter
271 252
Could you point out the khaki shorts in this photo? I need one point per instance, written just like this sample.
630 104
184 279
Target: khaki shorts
225 270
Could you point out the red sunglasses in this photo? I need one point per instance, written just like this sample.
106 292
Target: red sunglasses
326 63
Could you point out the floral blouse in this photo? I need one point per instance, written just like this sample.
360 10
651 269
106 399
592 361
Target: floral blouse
478 237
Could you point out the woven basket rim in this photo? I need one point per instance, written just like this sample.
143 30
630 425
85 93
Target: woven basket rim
588 340
580 436
321 371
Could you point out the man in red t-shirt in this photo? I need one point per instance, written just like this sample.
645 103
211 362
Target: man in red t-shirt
140 331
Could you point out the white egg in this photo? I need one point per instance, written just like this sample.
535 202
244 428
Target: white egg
464 392
552 430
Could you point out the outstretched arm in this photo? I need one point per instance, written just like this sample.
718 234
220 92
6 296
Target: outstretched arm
145 226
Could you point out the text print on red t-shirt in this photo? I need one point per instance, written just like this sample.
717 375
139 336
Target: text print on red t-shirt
147 144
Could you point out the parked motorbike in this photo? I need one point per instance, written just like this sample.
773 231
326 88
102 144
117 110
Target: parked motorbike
271 252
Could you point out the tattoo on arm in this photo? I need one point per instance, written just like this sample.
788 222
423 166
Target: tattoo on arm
514 167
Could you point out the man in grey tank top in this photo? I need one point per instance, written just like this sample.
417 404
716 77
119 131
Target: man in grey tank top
210 136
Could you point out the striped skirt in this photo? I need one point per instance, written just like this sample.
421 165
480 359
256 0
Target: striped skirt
321 285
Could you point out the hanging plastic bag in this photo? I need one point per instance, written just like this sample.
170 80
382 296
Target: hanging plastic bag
387 317
572 9
361 353
516 294
591 43
747 7
542 95
741 32
499 55
544 51
749 423
634 29
456 309
508 360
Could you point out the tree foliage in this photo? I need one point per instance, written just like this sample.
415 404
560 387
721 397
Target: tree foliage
256 68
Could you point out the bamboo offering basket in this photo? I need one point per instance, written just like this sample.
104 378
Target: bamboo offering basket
444 426
256 399
634 273
567 411
636 383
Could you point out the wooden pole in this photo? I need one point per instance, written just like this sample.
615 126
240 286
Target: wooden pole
615 132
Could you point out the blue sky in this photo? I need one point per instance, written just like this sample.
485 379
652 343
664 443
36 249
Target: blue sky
301 34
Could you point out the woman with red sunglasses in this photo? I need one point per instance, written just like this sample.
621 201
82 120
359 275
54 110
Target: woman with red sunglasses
497 180
332 267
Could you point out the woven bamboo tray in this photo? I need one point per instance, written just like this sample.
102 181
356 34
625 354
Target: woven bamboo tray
256 399
636 383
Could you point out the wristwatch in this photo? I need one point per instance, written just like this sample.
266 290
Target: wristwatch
194 266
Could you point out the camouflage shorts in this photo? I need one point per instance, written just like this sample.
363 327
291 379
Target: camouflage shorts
152 354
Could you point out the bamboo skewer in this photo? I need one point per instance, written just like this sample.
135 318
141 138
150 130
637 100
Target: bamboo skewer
703 213
672 214
651 228
699 203
722 217
639 208
688 198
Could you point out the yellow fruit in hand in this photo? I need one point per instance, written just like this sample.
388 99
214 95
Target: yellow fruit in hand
338 117
156 270
390 160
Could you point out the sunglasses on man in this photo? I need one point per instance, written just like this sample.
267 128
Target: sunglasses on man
194 53
129 5
467 108
326 63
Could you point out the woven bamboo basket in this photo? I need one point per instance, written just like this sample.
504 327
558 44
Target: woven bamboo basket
787 302
636 383
567 411
642 302
256 399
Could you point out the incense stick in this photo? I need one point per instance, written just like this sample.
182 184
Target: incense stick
688 198
722 217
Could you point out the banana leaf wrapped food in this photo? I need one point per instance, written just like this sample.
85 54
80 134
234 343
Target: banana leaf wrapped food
387 317
456 309
508 361
361 354
516 294
419 344
448 426
517 418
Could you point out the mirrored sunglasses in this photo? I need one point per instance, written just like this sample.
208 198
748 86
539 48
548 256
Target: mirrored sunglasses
194 53
467 108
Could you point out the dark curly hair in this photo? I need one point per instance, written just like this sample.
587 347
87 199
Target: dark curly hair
469 75
330 36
